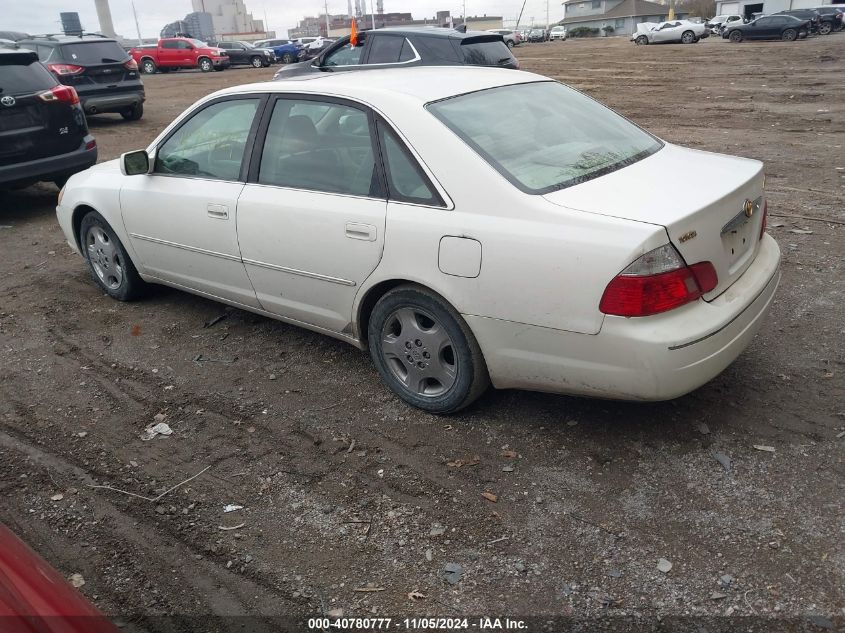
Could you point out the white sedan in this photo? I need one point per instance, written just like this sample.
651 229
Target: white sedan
405 213
676 31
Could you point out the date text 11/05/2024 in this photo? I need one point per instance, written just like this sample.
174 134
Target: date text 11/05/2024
418 624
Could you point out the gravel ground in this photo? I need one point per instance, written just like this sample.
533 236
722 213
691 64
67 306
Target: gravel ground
353 501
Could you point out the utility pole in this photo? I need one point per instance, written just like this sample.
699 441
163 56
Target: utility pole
464 16
547 15
328 25
137 28
519 18
372 13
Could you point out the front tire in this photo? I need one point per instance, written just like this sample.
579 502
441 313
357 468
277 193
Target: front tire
134 113
148 67
825 28
205 64
642 40
107 259
287 58
735 36
425 352
687 37
789 35
510 44
256 62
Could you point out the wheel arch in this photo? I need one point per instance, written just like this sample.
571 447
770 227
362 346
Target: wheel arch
371 296
79 212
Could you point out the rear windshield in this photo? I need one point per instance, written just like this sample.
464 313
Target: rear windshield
555 137
94 53
19 79
486 53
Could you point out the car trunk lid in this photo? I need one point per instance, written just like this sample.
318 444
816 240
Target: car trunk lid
709 204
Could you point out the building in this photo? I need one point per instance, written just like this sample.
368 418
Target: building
198 24
340 25
621 15
231 20
747 8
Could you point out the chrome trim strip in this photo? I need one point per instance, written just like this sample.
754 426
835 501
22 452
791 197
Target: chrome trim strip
193 249
407 61
303 273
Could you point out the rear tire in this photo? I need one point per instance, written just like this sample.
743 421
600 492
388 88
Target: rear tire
134 113
108 261
825 28
789 35
425 352
205 64
148 67
735 36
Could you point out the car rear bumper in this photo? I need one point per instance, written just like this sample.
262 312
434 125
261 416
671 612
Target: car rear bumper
653 358
92 104
52 167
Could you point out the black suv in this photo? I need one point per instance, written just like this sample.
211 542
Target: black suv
43 133
246 53
104 75
399 47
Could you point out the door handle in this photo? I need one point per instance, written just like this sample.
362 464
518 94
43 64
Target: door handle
218 211
358 231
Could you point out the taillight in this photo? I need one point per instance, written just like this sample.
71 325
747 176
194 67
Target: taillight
656 282
67 94
765 218
90 144
131 65
66 69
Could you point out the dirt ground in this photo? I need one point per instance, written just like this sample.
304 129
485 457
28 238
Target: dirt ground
353 501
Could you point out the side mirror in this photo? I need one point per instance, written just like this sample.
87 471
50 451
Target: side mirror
135 163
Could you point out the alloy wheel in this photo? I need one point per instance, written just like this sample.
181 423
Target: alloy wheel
419 352
104 257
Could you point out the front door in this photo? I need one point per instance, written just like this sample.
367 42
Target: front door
181 217
311 218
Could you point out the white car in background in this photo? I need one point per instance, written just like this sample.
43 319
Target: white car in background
595 259
721 21
557 33
673 31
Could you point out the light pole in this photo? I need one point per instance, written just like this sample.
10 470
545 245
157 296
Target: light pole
328 26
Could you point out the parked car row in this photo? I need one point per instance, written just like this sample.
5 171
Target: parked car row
788 25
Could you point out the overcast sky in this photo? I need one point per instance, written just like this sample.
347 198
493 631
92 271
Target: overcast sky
42 16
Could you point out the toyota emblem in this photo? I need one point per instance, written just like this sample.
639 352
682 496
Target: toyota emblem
7 101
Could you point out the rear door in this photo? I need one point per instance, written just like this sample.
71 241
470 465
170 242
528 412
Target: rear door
389 49
33 123
311 218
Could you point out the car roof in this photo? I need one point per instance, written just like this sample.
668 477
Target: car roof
18 55
67 39
430 31
421 84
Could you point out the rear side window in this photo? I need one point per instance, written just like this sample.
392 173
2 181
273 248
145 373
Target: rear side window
94 53
405 179
22 78
385 49
491 53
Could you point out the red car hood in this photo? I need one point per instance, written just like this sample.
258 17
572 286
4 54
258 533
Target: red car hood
34 598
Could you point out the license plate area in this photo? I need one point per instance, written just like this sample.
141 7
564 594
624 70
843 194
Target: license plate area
739 233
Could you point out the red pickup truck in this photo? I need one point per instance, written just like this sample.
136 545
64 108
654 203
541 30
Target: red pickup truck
173 53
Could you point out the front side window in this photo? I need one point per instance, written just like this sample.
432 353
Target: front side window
560 139
211 143
347 55
319 146
406 181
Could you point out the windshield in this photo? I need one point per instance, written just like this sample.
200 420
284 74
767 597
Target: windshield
555 137
94 53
